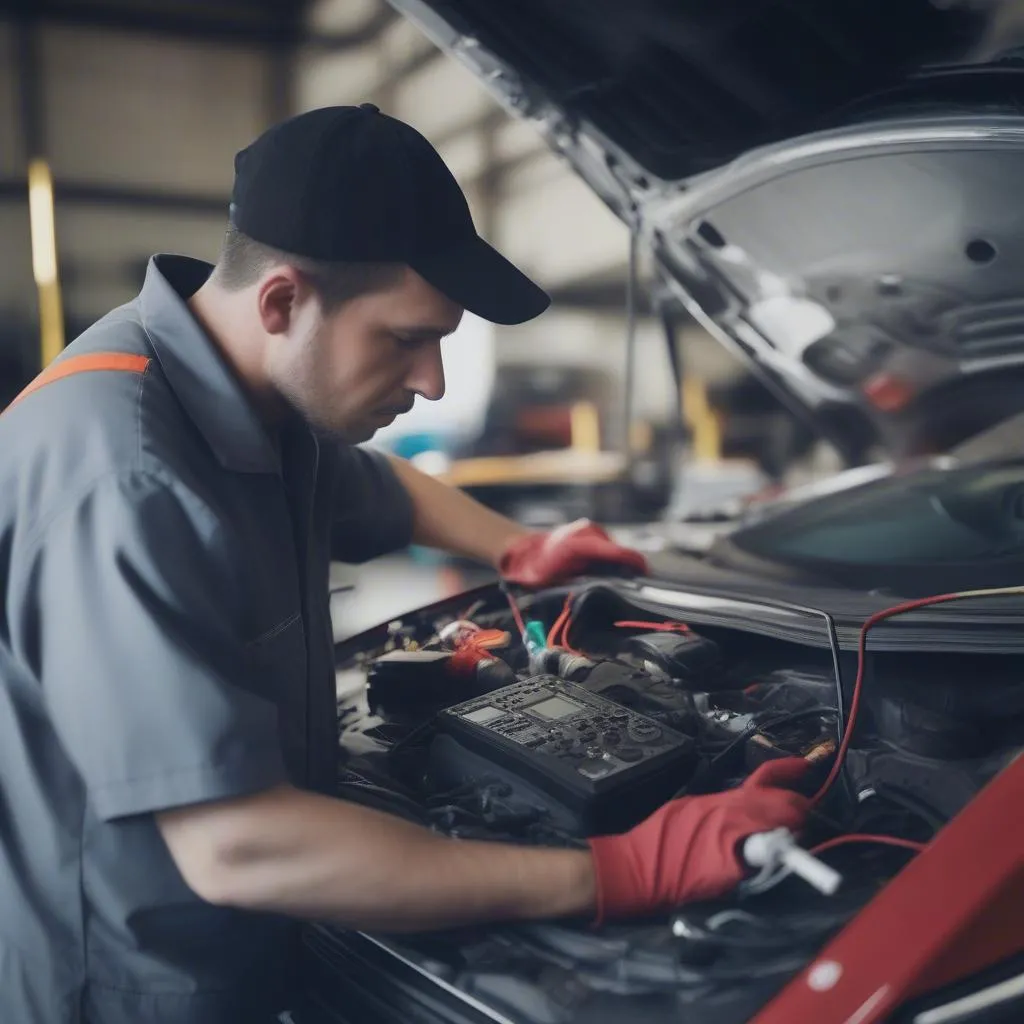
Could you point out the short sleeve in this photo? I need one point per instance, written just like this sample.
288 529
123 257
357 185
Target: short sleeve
130 620
373 512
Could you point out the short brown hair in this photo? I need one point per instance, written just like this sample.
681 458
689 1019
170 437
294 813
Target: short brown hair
242 261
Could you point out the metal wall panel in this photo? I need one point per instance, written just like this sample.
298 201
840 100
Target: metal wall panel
12 157
149 112
17 292
105 250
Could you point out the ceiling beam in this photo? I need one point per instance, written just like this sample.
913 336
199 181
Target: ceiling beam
273 24
16 189
30 89
365 33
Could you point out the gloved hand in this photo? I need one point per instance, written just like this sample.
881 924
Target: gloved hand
690 848
543 559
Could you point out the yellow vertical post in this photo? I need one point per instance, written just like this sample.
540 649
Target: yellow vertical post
702 420
44 261
585 427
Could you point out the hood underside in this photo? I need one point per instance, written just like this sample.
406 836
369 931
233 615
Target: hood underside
831 189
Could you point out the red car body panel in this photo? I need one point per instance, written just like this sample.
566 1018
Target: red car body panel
956 908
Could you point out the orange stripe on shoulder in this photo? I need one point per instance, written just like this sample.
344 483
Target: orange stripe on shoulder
123 362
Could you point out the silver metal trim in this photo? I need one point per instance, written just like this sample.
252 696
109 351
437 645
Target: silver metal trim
702 603
483 1008
960 1009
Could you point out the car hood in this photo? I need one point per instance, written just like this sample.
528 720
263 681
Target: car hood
831 190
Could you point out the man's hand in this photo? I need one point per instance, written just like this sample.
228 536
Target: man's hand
544 559
690 848
446 518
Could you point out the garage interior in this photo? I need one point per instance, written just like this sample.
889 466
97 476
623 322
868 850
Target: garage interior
858 247
79 84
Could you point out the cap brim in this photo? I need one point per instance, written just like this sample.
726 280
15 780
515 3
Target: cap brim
480 279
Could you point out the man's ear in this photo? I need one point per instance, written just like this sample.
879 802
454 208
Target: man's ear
280 297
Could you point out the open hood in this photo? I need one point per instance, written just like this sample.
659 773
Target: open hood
833 190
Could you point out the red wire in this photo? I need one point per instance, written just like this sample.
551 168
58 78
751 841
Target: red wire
516 614
851 718
907 844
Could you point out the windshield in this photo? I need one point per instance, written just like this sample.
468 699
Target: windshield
970 520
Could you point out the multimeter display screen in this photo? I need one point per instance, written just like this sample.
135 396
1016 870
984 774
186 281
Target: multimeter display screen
554 708
483 715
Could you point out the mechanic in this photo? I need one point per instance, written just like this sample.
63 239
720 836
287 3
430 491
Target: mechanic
172 490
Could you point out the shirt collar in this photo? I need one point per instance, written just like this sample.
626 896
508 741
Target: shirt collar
205 385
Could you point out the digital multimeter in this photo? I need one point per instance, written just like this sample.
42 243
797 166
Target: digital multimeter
606 765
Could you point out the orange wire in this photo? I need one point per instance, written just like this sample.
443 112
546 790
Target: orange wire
658 627
559 635
563 617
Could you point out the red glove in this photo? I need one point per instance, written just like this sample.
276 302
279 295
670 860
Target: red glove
689 849
543 559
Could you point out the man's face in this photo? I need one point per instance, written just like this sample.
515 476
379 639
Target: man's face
351 372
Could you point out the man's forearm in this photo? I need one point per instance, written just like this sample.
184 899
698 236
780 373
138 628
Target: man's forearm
308 856
447 518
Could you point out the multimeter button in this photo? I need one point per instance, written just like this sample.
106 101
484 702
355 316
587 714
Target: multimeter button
629 754
611 737
593 769
586 737
642 731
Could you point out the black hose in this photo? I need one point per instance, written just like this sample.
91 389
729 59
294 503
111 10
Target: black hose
700 780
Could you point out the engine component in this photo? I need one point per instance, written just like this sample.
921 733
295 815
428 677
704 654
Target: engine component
461 631
404 681
939 788
650 695
808 737
792 689
904 723
607 765
551 661
949 708
686 656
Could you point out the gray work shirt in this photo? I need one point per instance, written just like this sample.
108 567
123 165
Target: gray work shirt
164 640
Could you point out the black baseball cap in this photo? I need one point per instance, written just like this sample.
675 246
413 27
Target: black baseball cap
353 184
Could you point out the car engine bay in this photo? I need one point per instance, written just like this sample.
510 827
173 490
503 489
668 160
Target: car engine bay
549 717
